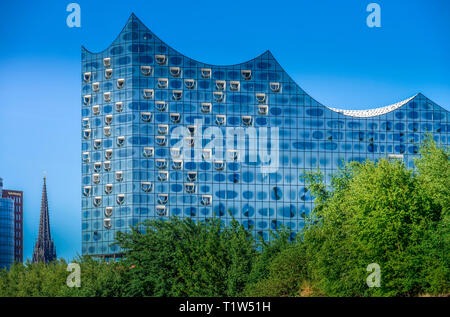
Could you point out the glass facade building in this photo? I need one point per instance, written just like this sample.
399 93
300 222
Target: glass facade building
6 231
17 197
164 135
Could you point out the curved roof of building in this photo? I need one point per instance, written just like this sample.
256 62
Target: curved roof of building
266 55
374 111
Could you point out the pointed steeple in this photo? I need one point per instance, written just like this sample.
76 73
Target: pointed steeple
44 224
44 249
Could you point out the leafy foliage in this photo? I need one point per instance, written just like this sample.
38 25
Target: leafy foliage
187 258
285 276
37 279
371 212
382 213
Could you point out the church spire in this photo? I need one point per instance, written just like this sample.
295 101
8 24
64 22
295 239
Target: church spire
44 249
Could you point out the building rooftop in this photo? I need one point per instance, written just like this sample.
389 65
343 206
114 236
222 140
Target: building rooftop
374 111
133 22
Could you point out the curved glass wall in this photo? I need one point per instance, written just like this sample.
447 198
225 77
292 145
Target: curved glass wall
150 116
6 232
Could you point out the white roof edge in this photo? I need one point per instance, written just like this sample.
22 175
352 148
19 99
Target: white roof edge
373 112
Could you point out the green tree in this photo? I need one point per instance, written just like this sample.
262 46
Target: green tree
187 258
433 174
280 240
33 280
381 212
371 212
286 273
98 279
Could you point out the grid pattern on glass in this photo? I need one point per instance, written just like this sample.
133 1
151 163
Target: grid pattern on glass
6 232
146 89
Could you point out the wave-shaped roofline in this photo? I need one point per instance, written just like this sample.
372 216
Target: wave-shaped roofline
133 16
373 112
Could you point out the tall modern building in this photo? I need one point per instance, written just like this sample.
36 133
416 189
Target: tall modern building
44 249
17 197
165 135
6 231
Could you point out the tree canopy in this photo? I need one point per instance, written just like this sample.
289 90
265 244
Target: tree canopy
371 213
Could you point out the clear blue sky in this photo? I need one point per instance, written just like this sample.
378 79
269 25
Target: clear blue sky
324 45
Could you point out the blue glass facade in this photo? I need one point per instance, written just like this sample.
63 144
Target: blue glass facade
6 231
150 118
